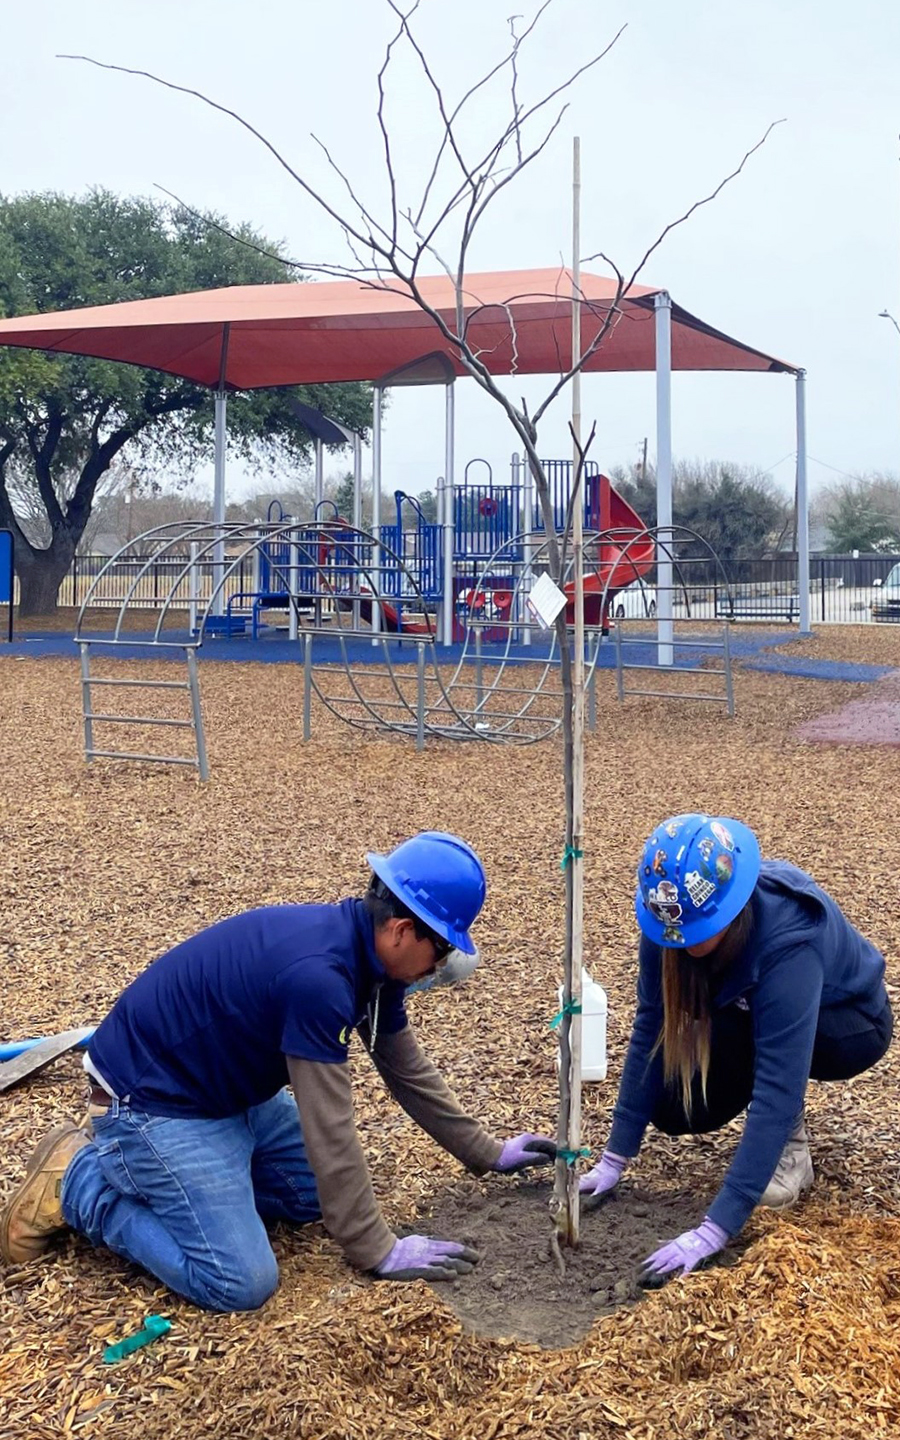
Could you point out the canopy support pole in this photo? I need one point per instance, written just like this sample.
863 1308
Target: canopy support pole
221 408
449 515
662 303
320 476
802 504
357 504
377 558
522 472
357 481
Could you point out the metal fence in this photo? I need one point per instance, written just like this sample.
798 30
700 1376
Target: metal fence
843 588
154 581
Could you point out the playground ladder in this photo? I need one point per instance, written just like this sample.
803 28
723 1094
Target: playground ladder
92 716
694 642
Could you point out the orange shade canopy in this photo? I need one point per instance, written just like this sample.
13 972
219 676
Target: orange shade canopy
253 336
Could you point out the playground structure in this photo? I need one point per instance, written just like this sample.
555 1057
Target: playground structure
351 597
496 522
253 337
448 581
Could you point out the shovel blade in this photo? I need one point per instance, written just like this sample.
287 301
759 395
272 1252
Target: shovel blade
30 1062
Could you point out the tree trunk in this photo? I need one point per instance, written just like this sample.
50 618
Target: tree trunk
40 575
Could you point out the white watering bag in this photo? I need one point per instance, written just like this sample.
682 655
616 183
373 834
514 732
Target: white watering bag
593 1028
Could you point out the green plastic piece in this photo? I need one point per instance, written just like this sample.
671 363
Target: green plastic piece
570 1156
571 1007
571 852
155 1326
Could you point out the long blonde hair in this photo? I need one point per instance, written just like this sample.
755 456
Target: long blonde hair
687 1006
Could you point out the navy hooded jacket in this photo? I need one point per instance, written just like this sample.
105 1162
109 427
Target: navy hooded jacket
803 956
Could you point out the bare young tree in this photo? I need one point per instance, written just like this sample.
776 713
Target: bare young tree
389 247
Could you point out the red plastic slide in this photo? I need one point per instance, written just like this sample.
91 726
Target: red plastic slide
619 564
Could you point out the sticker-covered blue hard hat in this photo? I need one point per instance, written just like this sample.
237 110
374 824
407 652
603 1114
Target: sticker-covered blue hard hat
695 876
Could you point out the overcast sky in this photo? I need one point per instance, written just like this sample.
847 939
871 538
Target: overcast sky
796 257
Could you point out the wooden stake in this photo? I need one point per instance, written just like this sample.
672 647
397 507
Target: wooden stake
566 1189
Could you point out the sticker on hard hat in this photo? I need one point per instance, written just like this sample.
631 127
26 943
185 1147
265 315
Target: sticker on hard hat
724 867
697 888
662 901
723 836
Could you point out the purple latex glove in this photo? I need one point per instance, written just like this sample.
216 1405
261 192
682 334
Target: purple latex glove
523 1151
417 1257
680 1256
600 1182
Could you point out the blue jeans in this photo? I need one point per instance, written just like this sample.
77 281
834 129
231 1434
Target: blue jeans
185 1199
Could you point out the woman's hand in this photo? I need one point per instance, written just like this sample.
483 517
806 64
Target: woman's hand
600 1182
680 1256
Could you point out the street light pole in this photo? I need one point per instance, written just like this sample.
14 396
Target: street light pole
886 315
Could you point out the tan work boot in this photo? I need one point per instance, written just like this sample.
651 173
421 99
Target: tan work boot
33 1213
794 1172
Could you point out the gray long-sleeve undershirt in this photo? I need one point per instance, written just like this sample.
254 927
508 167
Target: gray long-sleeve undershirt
324 1098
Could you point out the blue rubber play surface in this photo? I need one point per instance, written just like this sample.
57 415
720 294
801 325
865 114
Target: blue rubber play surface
331 650
820 669
746 646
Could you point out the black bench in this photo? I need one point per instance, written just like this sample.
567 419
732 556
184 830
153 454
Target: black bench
782 607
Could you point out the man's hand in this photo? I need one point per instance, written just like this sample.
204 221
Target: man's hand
523 1151
417 1257
600 1182
680 1256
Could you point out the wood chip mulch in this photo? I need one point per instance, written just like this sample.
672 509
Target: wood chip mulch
103 867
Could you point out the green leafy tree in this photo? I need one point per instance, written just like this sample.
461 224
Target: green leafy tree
65 419
428 503
343 496
862 513
735 509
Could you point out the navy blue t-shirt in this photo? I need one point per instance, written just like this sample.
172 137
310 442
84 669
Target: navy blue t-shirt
204 1030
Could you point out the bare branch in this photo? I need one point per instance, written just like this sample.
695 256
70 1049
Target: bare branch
673 224
522 164
382 124
390 238
567 84
514 81
450 120
305 267
486 165
449 136
576 492
214 224
623 287
245 124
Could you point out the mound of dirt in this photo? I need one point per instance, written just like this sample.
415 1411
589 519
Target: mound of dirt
516 1290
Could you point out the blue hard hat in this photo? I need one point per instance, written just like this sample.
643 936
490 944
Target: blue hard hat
440 879
695 876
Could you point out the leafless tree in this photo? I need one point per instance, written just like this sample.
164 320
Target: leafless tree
389 248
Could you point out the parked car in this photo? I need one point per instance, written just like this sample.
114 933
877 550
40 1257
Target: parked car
635 602
887 606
